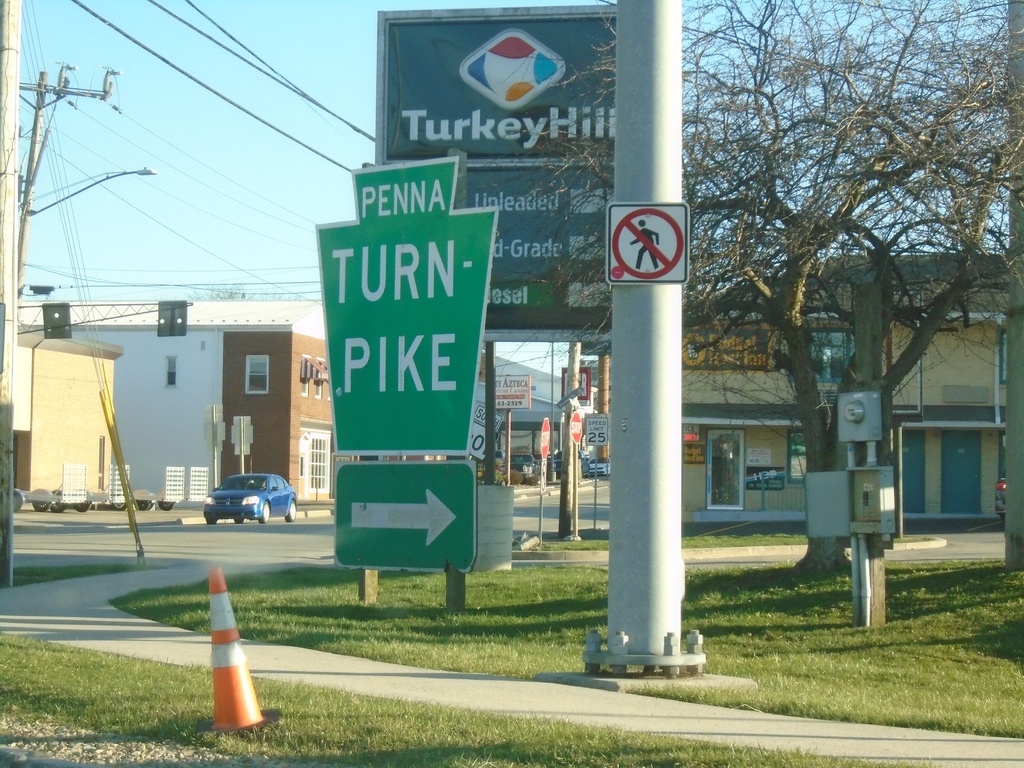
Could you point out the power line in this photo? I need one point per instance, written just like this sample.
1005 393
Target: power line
209 88
276 76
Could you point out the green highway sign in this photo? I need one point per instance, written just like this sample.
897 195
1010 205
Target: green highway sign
405 290
406 515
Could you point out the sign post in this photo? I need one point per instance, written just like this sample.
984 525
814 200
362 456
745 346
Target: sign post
597 436
545 449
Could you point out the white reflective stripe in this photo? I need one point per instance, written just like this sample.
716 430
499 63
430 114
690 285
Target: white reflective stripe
221 615
228 655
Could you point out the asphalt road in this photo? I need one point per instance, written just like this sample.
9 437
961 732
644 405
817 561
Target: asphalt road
101 535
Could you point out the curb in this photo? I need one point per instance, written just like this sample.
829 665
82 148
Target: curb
299 513
708 553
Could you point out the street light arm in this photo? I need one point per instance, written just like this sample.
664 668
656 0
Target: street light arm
108 177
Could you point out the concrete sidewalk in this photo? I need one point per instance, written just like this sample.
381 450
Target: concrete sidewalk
77 612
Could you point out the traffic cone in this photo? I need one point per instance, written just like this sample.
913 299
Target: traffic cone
234 700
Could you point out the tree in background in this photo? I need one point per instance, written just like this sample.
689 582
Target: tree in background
830 144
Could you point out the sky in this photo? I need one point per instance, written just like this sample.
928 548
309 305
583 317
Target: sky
234 203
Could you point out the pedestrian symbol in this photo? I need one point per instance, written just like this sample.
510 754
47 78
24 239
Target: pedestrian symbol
648 243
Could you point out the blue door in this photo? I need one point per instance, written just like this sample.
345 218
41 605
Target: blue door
913 472
961 472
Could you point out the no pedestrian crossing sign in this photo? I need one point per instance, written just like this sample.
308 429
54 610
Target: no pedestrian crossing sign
405 289
648 243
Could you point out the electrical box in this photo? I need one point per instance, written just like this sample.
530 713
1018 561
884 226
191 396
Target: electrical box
873 500
860 417
827 497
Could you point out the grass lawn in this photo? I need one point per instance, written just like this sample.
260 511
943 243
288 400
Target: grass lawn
324 727
950 657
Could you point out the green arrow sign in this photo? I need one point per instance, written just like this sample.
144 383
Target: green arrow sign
408 515
405 290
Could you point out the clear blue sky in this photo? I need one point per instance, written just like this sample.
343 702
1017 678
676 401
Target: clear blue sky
234 204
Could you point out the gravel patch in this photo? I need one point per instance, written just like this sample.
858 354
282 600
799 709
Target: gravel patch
48 745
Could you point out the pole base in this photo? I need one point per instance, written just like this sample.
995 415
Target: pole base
650 665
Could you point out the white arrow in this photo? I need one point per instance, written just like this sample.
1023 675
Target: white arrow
433 515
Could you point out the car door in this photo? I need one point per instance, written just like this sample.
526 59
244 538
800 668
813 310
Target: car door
277 495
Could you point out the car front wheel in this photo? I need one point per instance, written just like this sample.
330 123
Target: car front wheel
289 516
265 513
211 521
166 506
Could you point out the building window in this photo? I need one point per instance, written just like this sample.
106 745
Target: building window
318 387
304 387
257 374
172 371
796 457
831 353
319 457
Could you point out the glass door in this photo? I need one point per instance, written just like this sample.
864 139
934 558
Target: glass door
725 468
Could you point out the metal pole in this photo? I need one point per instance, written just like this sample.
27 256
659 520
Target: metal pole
1014 526
645 578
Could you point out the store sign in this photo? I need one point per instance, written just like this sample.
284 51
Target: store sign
523 83
519 91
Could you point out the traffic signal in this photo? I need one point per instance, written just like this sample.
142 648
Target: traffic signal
172 318
57 321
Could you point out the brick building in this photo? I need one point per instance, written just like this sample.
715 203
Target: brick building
264 360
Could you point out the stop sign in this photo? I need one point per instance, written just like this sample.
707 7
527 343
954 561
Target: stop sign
545 439
576 427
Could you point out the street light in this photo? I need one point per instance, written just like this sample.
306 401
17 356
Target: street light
107 177
27 213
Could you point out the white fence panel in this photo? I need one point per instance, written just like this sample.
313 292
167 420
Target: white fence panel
75 485
174 484
116 492
198 483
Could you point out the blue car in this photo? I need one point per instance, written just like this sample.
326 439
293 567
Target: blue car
250 497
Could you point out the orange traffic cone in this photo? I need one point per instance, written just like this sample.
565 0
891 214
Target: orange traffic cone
234 700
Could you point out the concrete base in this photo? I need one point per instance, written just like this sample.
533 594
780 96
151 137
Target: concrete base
629 683
495 506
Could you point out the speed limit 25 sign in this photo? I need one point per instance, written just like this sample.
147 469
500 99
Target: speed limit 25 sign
597 429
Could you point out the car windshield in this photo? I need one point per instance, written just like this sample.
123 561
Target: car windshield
244 483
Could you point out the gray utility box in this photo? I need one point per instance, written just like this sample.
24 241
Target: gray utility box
874 500
859 417
828 504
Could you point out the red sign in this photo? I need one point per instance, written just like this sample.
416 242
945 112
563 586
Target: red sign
576 427
545 439
648 243
585 379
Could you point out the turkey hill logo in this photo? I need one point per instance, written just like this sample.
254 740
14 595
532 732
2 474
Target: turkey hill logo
512 69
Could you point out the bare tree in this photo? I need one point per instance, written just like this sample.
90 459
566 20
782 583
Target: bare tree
834 142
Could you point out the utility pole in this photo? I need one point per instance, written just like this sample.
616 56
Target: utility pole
568 508
10 53
14 236
37 143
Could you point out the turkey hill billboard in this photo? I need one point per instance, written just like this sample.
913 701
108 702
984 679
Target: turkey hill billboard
526 93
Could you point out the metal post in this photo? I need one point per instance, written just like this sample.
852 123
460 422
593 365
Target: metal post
645 579
1014 526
